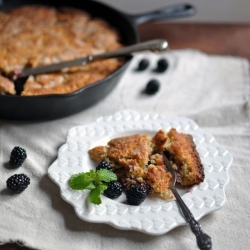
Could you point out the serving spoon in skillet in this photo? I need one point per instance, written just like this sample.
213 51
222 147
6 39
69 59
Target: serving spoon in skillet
158 45
204 242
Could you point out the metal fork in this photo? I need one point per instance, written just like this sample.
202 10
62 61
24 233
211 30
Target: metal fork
204 242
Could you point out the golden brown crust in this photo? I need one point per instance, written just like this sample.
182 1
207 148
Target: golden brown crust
159 180
183 153
160 140
32 36
6 86
4 18
97 153
134 147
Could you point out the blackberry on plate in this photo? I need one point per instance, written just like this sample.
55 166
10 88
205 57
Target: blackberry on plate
162 65
152 87
103 165
17 157
18 182
143 64
136 194
114 190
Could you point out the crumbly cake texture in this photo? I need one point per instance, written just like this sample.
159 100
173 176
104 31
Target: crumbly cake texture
6 86
138 158
32 36
182 152
134 161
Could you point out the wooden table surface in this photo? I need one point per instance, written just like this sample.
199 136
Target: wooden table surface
227 39
220 39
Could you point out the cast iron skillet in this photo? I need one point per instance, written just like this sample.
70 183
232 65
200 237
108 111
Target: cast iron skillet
53 106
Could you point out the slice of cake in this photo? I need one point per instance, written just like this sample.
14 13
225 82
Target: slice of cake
182 152
138 159
134 161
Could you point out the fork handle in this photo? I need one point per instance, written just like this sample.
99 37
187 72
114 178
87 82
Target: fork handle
204 242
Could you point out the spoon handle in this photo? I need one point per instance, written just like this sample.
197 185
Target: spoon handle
204 241
157 45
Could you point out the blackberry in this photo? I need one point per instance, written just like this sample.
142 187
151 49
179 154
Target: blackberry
18 182
162 65
17 157
103 165
136 194
152 87
114 190
143 64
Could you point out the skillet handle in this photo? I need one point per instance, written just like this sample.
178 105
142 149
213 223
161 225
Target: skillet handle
174 11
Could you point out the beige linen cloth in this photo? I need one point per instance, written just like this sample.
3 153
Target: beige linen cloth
212 90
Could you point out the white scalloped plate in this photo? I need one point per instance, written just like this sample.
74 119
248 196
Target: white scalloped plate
154 216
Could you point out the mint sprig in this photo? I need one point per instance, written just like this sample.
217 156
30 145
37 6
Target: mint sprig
96 182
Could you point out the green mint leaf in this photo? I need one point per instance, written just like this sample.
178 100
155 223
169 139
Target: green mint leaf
94 196
105 175
91 186
91 174
93 181
80 181
103 187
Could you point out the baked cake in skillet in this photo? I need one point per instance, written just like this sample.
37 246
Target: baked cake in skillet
138 159
32 36
6 86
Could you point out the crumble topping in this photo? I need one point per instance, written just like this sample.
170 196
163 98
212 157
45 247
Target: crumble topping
138 159
33 36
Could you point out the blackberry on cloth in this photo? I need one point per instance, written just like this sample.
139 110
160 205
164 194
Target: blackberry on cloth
143 64
162 65
17 157
152 87
18 182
